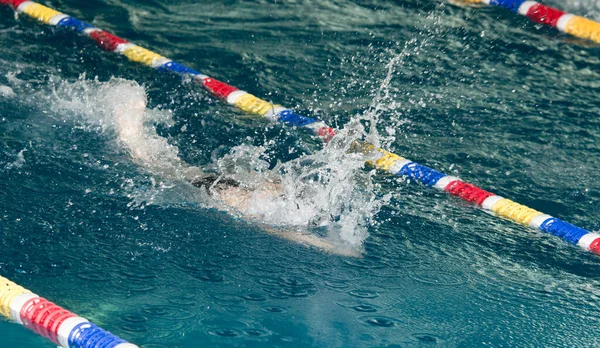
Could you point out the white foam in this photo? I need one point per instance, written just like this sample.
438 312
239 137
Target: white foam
18 162
6 91
119 107
328 188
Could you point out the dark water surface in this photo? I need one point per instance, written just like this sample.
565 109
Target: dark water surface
480 93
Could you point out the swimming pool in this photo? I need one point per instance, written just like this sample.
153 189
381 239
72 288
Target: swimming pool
479 93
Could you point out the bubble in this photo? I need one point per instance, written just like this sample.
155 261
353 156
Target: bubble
168 312
365 308
360 307
94 276
275 309
364 293
209 275
134 318
134 327
225 332
381 321
442 278
256 332
427 338
254 297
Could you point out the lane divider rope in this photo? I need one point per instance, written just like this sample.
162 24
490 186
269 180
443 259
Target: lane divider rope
53 322
385 160
539 13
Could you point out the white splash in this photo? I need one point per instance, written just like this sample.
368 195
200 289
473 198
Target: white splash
329 189
18 162
6 91
118 107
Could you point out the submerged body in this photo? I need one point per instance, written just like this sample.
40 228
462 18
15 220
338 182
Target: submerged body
240 201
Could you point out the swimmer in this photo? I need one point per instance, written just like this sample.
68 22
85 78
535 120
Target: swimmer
156 154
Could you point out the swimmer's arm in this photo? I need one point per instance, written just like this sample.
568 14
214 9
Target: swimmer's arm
312 240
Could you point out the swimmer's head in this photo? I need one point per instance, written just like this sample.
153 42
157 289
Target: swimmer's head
243 200
212 182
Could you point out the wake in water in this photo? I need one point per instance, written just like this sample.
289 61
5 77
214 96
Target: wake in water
325 199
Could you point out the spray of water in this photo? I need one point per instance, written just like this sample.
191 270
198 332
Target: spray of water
327 192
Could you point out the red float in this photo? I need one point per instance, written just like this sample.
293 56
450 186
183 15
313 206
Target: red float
595 246
326 133
31 309
107 40
218 88
44 317
53 322
13 3
468 192
543 14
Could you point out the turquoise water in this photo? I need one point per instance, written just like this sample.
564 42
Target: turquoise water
479 93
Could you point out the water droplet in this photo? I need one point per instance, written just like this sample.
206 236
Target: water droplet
380 321
364 293
254 297
275 309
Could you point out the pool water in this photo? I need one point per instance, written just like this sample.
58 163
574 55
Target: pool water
478 93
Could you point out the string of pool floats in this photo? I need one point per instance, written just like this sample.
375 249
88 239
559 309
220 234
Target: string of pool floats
53 322
64 328
571 24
